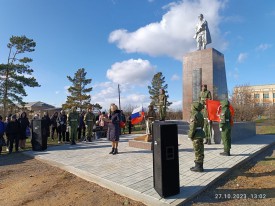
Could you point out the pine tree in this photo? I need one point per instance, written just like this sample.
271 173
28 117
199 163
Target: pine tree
158 82
78 91
96 105
16 74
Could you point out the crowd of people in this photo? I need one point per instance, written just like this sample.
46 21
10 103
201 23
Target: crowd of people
68 128
86 126
16 129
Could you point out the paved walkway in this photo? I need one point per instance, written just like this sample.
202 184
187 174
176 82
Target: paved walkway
130 173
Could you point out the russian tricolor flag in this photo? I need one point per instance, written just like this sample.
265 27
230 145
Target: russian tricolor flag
137 115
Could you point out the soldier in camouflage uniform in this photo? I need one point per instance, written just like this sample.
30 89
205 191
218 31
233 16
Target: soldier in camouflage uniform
151 117
89 120
72 122
162 105
196 134
225 127
204 95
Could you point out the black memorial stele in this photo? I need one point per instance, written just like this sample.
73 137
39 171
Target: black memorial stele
39 135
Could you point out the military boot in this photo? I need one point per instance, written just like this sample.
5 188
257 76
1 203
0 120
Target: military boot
225 153
198 167
206 141
209 142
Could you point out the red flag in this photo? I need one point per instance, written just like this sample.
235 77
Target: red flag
214 110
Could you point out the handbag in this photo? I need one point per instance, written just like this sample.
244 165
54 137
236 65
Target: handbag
28 132
122 124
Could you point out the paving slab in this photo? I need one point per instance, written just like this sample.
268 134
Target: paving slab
130 173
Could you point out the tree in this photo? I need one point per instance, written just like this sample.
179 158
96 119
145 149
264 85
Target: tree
78 91
158 82
97 106
16 74
244 104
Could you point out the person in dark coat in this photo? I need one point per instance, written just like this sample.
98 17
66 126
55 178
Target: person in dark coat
48 122
54 124
123 119
113 128
62 126
13 132
81 127
130 124
24 123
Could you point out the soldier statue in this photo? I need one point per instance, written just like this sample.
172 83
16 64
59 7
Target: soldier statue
72 122
225 127
162 101
204 95
89 120
196 134
202 34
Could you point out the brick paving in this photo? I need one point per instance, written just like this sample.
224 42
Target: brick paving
130 173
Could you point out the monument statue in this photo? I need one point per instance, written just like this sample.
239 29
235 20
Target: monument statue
202 35
162 104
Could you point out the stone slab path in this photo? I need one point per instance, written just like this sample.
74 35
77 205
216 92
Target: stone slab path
130 173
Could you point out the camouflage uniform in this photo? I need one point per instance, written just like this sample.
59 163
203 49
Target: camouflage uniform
73 121
225 127
162 105
151 116
204 95
89 120
196 134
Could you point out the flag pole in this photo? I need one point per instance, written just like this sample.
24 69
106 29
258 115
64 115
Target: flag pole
118 96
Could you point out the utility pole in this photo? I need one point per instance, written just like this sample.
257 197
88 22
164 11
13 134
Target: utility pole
118 96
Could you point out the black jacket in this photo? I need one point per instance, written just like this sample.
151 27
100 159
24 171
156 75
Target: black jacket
13 128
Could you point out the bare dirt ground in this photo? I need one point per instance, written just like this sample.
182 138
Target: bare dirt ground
26 181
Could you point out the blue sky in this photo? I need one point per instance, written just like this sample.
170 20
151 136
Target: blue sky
127 41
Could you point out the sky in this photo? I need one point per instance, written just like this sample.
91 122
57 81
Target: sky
126 42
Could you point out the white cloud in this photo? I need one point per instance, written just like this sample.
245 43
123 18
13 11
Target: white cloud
175 77
263 47
106 93
102 85
131 72
177 105
242 57
172 36
57 92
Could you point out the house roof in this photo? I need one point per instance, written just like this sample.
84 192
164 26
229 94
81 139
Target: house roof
39 104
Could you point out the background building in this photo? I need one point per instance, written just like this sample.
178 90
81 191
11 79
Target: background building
263 95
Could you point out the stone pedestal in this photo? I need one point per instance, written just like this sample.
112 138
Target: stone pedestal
142 142
203 67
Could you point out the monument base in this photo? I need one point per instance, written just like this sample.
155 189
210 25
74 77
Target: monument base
205 66
142 142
